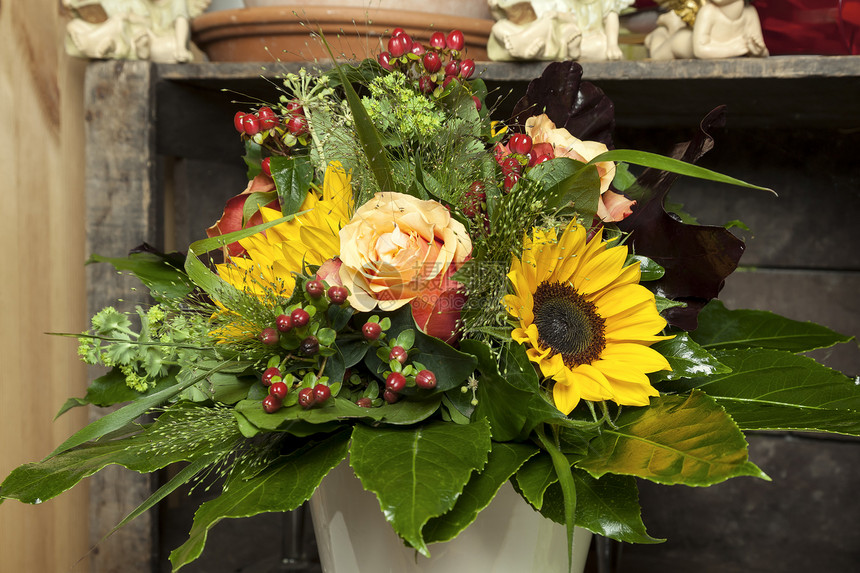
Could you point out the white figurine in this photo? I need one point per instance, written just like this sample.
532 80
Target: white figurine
157 30
555 29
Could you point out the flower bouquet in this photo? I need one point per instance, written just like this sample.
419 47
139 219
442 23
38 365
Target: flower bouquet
449 303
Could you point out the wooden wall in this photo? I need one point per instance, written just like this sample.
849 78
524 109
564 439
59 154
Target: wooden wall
42 276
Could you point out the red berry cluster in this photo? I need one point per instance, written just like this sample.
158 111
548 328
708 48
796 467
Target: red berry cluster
278 133
433 66
400 374
519 155
474 205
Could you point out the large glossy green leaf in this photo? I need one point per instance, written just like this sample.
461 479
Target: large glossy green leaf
568 182
504 460
775 390
293 176
687 359
283 486
676 440
112 389
723 328
608 506
534 477
162 274
418 472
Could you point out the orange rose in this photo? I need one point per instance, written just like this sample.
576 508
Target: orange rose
397 249
613 206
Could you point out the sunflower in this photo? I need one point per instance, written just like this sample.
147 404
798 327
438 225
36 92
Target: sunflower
587 321
273 257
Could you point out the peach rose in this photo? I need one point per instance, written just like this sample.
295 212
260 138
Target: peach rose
397 249
613 206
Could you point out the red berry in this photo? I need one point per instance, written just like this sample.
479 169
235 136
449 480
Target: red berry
398 353
390 397
478 104
383 58
300 317
448 80
542 159
455 40
364 402
452 68
437 40
511 180
426 85
268 119
238 121
284 323
315 288
251 124
337 294
418 49
511 165
310 346
425 379
306 397
294 108
399 45
432 62
268 374
298 125
544 149
266 166
474 199
395 382
520 143
321 393
279 389
271 404
467 68
269 336
371 330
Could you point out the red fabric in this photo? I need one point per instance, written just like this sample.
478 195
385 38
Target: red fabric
824 27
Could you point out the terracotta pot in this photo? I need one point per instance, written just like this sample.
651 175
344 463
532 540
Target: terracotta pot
283 33
458 8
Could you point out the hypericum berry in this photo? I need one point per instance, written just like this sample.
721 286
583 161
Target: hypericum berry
364 402
398 353
306 397
300 317
474 199
520 143
266 166
478 104
448 80
395 382
437 40
315 288
238 121
418 48
310 346
251 124
542 159
390 397
425 379
298 125
397 31
371 330
384 58
455 40
321 393
511 165
337 294
268 119
279 389
268 374
432 62
294 108
399 45
271 404
452 68
284 323
467 68
426 85
269 336
511 180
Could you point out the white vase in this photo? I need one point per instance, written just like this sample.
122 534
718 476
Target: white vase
507 537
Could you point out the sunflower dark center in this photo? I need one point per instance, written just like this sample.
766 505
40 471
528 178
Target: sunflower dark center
568 324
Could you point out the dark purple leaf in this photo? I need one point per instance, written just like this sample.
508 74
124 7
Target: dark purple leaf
697 258
578 106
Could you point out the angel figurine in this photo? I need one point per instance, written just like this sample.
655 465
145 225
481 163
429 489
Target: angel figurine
157 30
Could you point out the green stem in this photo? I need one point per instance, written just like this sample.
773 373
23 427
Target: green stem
565 480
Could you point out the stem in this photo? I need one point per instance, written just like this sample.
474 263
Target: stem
322 367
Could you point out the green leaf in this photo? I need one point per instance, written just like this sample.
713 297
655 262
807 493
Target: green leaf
775 390
255 201
672 165
283 486
567 182
608 506
503 461
568 488
111 389
723 328
676 440
293 176
417 473
649 270
687 359
159 272
534 477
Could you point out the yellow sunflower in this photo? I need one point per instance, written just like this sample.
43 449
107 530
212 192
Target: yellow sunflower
273 256
587 321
